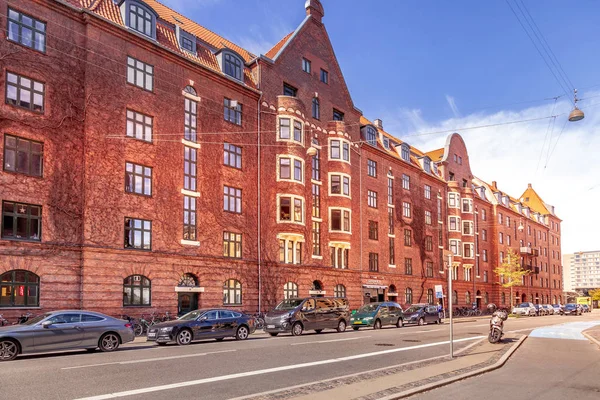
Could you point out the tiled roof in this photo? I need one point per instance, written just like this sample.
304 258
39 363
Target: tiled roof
275 49
436 155
534 201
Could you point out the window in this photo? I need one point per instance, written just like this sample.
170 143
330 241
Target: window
429 269
407 237
406 209
428 243
190 120
306 64
26 30
390 220
500 218
485 255
371 136
501 257
483 215
136 291
290 290
340 185
392 260
339 257
285 169
467 205
139 126
232 293
373 262
187 41
232 244
140 74
290 251
485 277
285 130
372 168
427 165
19 288
324 76
427 190
291 209
316 111
316 201
405 152
339 291
373 230
501 237
340 220
408 266
453 200
316 236
24 92
138 234
468 250
455 247
189 218
390 190
23 156
508 224
484 235
232 66
316 166
468 228
428 217
439 209
335 147
430 296
468 297
232 111
232 155
454 224
189 168
21 221
372 199
338 115
232 199
139 18
454 297
405 182
408 296
508 240
289 90
138 179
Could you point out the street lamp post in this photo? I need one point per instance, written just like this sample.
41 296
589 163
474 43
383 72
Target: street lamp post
450 301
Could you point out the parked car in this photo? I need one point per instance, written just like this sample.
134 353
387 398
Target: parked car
571 309
376 315
586 308
557 308
64 330
525 309
203 324
549 309
421 314
302 314
539 310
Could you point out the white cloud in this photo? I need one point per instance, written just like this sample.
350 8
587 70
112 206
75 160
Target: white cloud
452 103
569 178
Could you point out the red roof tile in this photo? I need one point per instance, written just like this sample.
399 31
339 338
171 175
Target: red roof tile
275 49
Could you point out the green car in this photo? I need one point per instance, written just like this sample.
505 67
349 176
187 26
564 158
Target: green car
376 315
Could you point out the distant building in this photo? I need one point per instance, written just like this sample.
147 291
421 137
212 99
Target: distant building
582 270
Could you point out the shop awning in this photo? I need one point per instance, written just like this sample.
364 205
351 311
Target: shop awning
375 286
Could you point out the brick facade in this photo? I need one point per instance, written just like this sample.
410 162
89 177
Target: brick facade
81 259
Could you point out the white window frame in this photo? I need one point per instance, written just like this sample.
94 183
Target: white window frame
342 176
292 159
470 204
335 246
295 239
471 247
342 143
458 224
292 121
405 181
454 200
427 191
342 209
406 214
458 244
471 228
292 220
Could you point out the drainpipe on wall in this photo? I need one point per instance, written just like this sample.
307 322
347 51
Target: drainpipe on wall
258 169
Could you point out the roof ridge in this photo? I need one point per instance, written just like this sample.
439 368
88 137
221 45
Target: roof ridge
272 52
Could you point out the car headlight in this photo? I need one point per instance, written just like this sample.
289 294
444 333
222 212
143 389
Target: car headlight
166 330
414 315
368 318
286 316
351 318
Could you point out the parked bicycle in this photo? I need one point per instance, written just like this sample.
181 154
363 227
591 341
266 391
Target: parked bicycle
3 321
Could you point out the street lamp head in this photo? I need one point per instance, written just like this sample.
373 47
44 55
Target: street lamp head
521 228
576 115
311 151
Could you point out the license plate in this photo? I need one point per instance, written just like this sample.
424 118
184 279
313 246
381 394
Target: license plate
357 322
151 334
270 326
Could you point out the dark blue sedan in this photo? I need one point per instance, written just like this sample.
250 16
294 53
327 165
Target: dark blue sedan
203 324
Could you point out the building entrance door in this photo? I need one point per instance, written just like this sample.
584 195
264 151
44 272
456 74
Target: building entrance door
186 302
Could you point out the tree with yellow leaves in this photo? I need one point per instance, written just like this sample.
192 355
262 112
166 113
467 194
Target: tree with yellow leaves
511 272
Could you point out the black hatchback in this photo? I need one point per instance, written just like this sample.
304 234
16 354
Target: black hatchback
203 324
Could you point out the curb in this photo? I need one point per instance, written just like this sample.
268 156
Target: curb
453 379
591 339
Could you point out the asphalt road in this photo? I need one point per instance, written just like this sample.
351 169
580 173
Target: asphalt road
229 369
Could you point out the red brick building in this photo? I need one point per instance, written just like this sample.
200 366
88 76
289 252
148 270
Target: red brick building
150 164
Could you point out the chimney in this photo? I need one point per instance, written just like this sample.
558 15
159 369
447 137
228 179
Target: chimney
314 8
494 185
529 185
378 123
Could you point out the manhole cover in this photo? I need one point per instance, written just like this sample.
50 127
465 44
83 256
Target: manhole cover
384 344
412 340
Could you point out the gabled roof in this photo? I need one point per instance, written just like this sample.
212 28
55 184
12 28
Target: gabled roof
436 155
534 201
275 49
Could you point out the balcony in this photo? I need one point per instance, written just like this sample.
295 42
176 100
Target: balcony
530 251
533 269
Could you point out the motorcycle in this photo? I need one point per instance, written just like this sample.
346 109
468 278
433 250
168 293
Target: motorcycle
497 325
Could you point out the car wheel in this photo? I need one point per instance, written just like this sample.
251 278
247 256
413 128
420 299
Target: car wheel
9 350
297 329
242 333
421 322
399 323
184 337
355 328
109 342
273 333
377 324
341 326
318 330
138 330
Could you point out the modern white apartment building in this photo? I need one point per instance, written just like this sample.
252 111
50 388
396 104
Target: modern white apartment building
581 270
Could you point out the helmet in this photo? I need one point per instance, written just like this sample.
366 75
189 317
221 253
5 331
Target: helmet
491 308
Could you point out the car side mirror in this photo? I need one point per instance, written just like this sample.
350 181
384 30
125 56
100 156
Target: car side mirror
46 324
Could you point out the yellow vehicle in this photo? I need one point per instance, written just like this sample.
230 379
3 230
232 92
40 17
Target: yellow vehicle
585 300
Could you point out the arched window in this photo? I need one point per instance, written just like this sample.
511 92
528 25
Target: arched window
141 19
290 290
136 291
232 66
371 136
232 292
190 90
554 300
405 152
188 280
316 111
19 288
339 291
317 285
408 296
503 298
468 297
430 296
454 297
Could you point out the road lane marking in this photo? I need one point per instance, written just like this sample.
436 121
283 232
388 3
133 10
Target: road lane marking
329 341
266 371
150 359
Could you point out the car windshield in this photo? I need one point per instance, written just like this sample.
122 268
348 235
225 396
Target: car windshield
35 320
570 306
368 308
412 309
289 304
523 305
192 315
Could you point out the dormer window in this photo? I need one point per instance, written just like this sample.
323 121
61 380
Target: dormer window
187 41
232 66
427 165
139 17
405 152
386 143
371 136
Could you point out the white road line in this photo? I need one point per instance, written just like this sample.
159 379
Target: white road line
265 371
329 341
432 330
149 359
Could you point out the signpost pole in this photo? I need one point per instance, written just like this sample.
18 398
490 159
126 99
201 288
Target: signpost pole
450 302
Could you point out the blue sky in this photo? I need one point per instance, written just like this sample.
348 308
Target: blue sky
425 66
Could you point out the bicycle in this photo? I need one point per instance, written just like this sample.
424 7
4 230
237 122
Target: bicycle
4 321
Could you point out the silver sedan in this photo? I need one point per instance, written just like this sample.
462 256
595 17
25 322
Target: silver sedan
64 330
